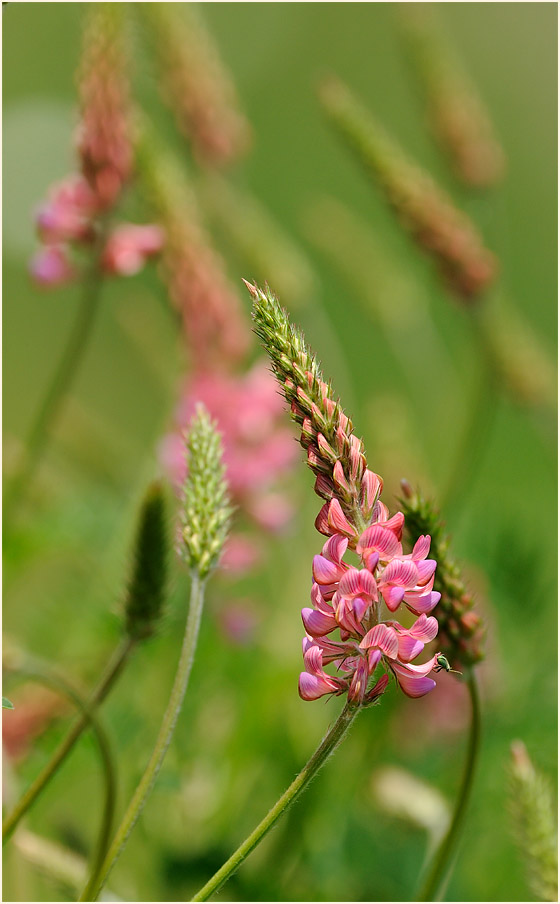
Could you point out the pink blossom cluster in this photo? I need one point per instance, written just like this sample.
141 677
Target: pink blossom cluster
68 221
357 601
258 450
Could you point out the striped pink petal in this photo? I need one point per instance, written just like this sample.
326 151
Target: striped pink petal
409 647
424 628
311 687
421 547
426 570
338 522
424 603
358 582
402 573
384 637
335 547
393 597
317 623
325 571
379 539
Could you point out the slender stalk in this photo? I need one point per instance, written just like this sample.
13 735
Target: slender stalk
438 870
51 679
113 670
329 743
61 381
479 420
140 796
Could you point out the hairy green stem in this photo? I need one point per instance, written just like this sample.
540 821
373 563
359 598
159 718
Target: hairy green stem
438 871
112 672
329 743
140 796
61 381
51 679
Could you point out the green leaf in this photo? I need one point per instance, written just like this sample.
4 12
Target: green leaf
7 704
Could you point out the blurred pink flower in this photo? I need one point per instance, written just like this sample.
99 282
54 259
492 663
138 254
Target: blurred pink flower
68 212
257 449
50 267
240 554
129 246
239 622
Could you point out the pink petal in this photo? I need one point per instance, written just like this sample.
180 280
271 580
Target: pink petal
424 628
409 648
415 687
358 582
393 597
317 623
378 538
335 547
426 570
424 603
400 572
374 658
338 521
311 687
384 637
421 547
324 571
396 524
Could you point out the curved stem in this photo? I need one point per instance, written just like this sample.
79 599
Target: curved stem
474 438
437 871
95 883
113 670
58 388
58 683
329 743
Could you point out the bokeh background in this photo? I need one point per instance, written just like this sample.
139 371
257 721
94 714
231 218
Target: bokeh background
403 359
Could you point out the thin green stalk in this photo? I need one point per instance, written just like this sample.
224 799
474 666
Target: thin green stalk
479 420
59 684
439 868
62 380
113 670
96 882
329 743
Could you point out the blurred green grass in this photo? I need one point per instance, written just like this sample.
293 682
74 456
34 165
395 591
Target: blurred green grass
244 732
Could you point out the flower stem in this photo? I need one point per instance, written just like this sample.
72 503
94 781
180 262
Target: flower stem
62 380
96 882
329 743
113 670
479 420
49 678
438 869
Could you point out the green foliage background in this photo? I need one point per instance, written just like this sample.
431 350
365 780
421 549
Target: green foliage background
244 732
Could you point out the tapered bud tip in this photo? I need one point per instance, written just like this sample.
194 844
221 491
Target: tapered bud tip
406 488
252 289
520 758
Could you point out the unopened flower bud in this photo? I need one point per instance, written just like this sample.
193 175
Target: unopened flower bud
146 591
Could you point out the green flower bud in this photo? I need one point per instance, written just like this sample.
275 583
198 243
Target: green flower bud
206 511
146 590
